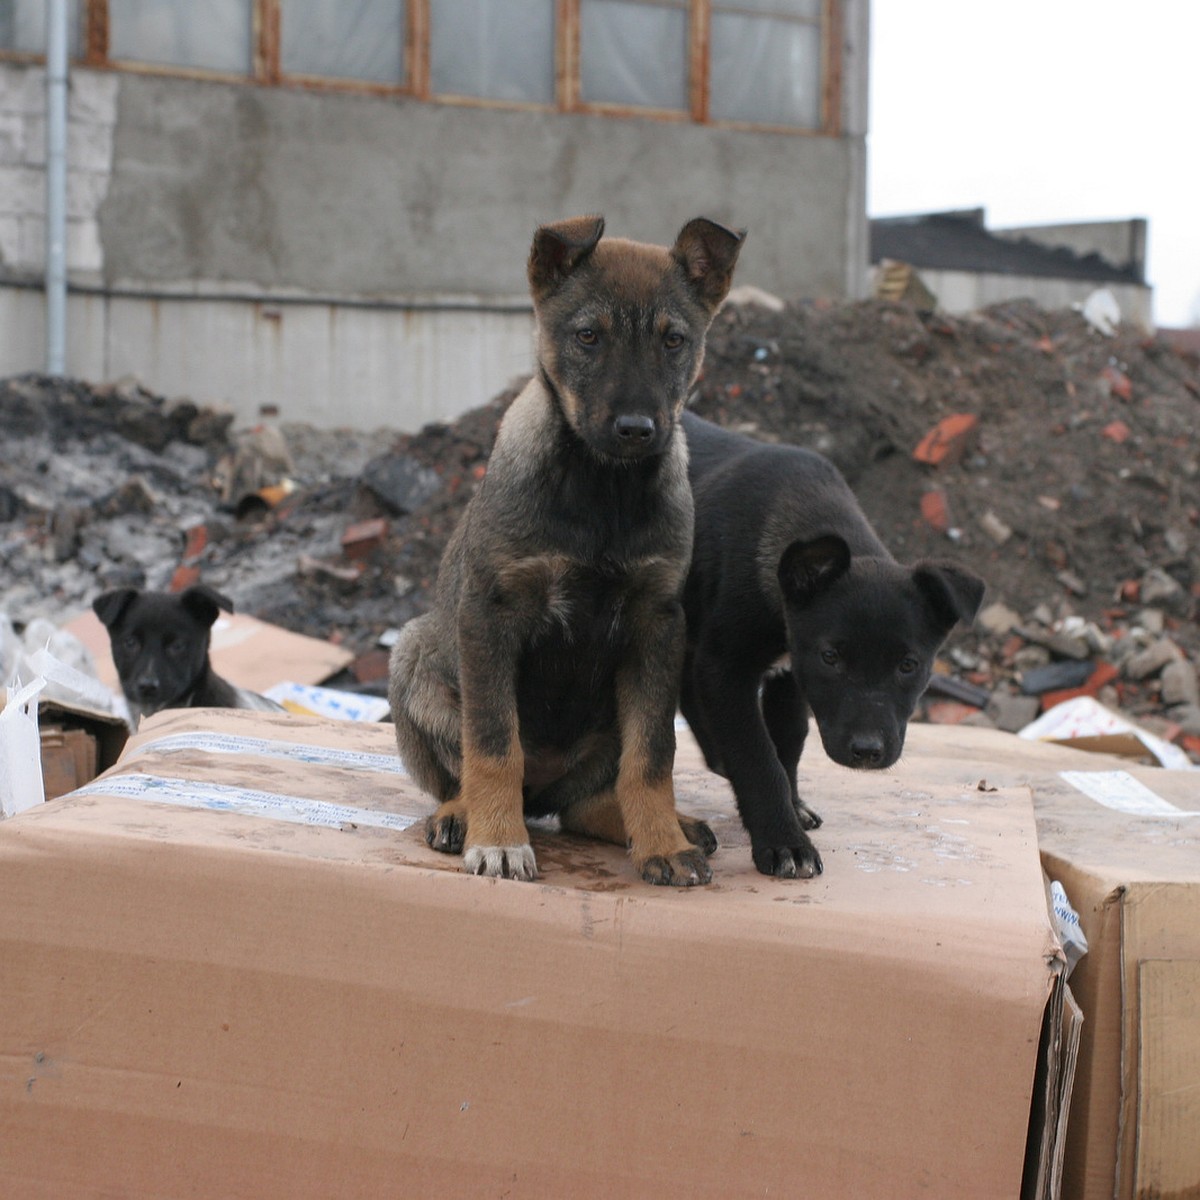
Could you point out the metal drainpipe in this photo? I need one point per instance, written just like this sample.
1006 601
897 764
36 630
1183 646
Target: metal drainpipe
56 187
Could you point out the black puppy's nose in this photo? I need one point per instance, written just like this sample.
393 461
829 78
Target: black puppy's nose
866 749
631 427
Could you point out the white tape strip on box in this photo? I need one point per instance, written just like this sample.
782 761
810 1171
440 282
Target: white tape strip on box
248 802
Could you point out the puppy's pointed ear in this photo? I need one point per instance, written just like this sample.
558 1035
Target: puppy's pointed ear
203 603
707 252
110 605
807 568
952 592
558 249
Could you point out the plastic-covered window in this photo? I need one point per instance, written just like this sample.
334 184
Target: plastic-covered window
344 39
23 26
492 50
215 35
766 62
634 53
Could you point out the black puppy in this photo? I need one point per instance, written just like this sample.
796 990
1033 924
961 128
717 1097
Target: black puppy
786 567
160 647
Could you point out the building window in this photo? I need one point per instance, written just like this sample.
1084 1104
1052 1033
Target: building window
634 53
345 39
766 62
492 51
763 63
212 36
23 26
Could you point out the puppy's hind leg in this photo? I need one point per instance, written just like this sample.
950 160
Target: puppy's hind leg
425 711
786 717
599 816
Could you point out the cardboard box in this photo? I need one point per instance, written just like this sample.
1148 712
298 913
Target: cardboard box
1124 840
233 968
77 744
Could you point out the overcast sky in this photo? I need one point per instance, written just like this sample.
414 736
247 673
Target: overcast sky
1045 111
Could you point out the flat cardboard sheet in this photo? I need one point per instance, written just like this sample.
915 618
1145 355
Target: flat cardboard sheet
232 967
249 653
1124 840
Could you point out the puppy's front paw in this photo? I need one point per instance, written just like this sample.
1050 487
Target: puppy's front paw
446 831
504 862
687 868
789 862
699 834
808 819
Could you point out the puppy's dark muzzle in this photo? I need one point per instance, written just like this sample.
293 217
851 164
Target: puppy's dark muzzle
634 430
634 435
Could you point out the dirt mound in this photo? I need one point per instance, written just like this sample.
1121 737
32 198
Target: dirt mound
1072 485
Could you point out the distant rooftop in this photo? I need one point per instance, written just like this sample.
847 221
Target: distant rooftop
959 241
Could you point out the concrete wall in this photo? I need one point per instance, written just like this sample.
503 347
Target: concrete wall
359 260
967 291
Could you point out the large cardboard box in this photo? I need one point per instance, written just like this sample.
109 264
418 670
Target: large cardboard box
232 968
1124 840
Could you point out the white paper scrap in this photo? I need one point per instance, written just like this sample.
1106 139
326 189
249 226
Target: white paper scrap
1121 791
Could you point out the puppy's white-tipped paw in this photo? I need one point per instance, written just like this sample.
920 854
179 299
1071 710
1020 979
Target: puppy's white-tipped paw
503 862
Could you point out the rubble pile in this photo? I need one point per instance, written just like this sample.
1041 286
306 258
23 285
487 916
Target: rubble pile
1058 461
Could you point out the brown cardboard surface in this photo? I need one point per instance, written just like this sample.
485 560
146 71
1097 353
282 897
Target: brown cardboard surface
200 1002
249 653
1135 882
1168 1138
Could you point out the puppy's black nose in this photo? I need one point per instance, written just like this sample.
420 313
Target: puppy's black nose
147 690
866 749
634 428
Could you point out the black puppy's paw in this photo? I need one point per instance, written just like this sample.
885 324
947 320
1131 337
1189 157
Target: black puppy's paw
699 834
688 868
446 832
808 819
789 862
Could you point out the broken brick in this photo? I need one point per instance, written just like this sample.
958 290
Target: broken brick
935 512
947 442
185 576
371 666
362 538
1117 382
1116 431
949 712
195 538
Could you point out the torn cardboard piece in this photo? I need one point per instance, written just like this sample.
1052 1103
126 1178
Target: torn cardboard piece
56 733
1129 859
318 1004
1083 723
246 651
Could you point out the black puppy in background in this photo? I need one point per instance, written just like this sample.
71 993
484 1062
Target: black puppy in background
160 644
794 605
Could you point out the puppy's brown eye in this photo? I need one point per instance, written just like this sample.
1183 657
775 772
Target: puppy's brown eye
907 666
673 340
587 337
829 657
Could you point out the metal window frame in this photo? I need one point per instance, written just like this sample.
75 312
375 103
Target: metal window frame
266 68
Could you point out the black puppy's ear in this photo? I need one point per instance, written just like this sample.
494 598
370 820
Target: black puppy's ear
952 592
806 568
707 252
558 249
110 605
203 603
